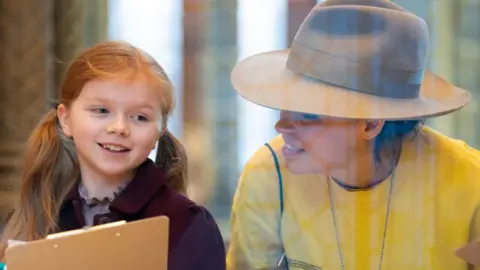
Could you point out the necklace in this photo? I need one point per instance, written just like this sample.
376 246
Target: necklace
332 210
354 188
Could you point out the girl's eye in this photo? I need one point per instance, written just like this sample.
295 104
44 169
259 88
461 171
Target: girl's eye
100 110
141 118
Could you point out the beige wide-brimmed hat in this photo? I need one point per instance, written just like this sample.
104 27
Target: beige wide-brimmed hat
361 59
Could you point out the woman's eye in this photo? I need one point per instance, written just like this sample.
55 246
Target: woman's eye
309 116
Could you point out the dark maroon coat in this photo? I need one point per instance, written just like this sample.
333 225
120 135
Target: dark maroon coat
195 241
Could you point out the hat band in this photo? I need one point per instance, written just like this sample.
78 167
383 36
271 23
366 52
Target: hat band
355 76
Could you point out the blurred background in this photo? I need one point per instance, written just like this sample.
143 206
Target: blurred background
198 42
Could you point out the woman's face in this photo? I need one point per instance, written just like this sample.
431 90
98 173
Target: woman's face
317 144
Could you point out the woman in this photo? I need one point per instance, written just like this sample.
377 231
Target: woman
354 181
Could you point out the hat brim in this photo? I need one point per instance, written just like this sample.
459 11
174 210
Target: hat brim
264 79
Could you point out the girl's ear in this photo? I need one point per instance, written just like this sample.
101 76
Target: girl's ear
64 118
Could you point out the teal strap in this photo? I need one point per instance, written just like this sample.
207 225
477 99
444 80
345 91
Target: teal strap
280 188
279 177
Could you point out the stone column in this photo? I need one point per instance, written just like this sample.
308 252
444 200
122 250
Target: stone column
196 134
77 24
210 103
442 61
37 37
466 52
454 55
221 102
440 19
25 75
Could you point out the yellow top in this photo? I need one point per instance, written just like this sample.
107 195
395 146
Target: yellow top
435 194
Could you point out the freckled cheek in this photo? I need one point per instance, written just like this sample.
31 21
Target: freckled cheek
82 130
85 141
86 126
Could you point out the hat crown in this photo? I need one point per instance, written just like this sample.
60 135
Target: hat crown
365 40
354 59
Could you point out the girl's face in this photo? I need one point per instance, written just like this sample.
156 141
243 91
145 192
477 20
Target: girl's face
114 126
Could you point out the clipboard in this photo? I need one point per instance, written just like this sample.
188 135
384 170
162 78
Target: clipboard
470 253
139 244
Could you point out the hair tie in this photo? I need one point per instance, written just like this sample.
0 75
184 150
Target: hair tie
54 104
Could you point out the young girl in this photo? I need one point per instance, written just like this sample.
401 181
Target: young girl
87 161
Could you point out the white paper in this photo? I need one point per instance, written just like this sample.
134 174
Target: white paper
13 243
98 227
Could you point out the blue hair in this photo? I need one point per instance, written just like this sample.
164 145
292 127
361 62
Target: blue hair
395 131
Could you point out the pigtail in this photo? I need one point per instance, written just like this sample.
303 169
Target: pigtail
172 158
49 172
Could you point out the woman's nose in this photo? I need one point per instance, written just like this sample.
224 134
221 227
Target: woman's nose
284 125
